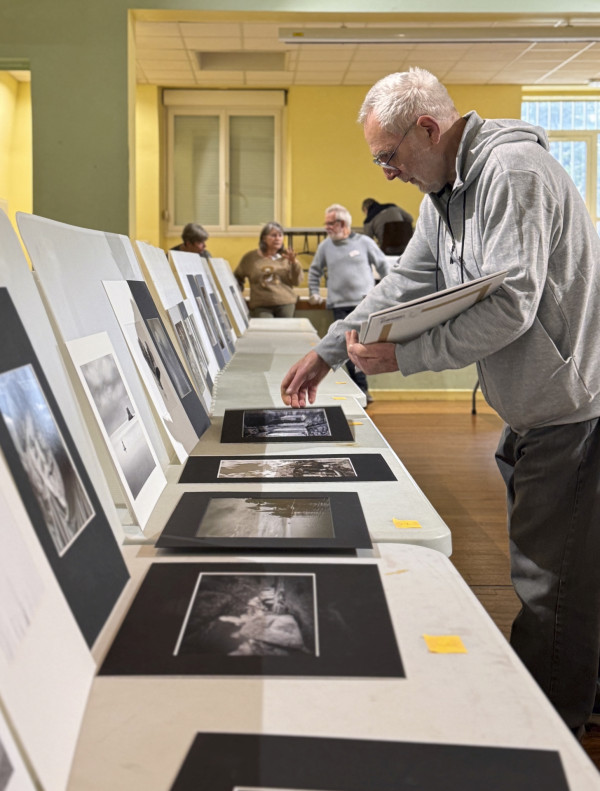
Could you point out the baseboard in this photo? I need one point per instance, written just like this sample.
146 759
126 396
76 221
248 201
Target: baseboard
421 395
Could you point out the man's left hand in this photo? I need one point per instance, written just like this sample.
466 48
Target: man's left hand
374 358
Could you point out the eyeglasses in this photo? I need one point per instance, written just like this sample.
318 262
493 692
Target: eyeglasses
331 223
385 163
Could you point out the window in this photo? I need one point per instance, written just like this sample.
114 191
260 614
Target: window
573 128
224 159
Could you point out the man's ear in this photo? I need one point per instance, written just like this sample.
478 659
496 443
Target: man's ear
431 126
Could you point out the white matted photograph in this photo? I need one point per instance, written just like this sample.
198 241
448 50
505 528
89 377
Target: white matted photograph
285 423
251 615
285 467
62 499
124 433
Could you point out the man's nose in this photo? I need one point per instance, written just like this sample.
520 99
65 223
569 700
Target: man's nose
390 174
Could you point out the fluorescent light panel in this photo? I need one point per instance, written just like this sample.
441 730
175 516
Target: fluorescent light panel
436 35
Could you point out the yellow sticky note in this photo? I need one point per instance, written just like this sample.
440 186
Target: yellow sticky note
339 398
398 571
355 422
404 523
445 644
341 383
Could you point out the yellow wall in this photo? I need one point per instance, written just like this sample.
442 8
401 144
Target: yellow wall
327 160
147 164
15 145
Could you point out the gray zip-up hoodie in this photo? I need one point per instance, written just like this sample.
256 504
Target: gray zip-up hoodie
536 340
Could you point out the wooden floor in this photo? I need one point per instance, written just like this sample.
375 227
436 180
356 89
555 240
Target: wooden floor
450 454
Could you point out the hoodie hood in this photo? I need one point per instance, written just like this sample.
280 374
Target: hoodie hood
481 136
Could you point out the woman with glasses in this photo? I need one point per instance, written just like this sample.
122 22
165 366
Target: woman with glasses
272 272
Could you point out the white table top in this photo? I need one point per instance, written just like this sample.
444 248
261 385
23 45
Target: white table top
137 730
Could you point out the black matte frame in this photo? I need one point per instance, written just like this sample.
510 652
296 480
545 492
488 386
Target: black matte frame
349 525
190 401
225 761
356 636
368 467
338 423
92 572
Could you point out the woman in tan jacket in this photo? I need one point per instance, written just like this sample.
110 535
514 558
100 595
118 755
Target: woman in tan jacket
272 272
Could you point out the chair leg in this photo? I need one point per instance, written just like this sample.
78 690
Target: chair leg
474 398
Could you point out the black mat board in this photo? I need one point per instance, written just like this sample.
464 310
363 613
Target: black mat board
366 466
228 761
88 565
181 622
190 401
334 424
230 514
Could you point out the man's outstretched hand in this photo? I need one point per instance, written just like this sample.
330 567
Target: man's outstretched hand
299 385
372 358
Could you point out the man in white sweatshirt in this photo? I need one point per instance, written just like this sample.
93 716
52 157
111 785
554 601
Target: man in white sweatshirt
496 199
347 259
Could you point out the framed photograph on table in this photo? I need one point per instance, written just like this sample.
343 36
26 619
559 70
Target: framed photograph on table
273 424
318 468
244 520
257 619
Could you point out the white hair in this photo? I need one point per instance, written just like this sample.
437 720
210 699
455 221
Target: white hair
396 101
341 213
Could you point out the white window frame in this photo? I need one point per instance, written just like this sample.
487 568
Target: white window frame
590 137
224 104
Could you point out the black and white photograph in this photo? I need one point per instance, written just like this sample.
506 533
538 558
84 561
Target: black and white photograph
53 478
284 424
286 469
53 484
267 517
186 395
282 467
169 357
257 619
208 319
21 586
251 615
279 520
256 762
128 442
6 769
116 415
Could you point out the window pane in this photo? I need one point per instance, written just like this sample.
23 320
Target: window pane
196 169
251 169
572 155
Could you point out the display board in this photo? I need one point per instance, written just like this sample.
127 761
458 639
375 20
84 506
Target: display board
231 294
53 482
18 278
70 264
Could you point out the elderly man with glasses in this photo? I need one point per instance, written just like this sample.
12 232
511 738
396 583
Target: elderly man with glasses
496 199
347 258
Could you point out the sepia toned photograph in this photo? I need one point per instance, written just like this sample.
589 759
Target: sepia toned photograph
251 615
169 357
285 423
291 468
314 468
267 517
128 442
55 483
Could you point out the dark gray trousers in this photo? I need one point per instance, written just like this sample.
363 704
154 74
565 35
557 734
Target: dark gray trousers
552 478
